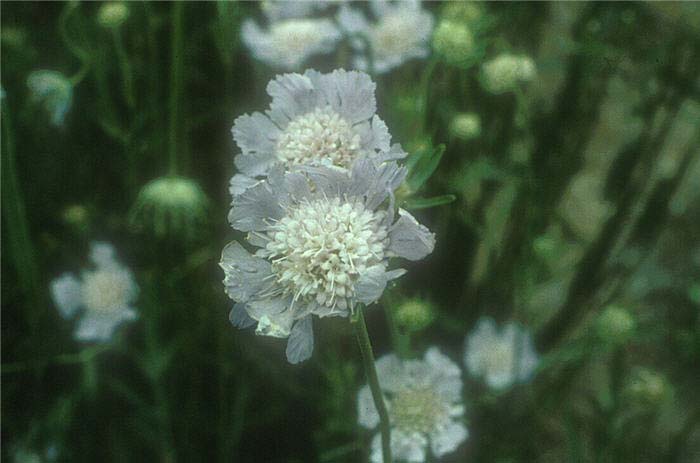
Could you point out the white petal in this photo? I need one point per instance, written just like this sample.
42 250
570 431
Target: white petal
253 209
409 239
276 326
66 293
350 94
371 284
352 20
301 341
292 95
447 439
367 414
97 327
408 447
256 135
245 275
102 254
240 183
375 181
528 358
390 372
374 135
239 317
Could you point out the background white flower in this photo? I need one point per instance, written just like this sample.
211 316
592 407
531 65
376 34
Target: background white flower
502 359
424 402
314 119
54 91
324 242
106 294
401 32
290 38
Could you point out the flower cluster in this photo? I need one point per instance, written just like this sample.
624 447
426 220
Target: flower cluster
294 33
106 294
324 236
424 402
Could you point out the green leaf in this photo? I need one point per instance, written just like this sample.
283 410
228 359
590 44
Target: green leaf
425 203
422 168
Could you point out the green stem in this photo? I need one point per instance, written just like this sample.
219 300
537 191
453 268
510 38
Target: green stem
125 68
84 356
360 328
176 86
426 79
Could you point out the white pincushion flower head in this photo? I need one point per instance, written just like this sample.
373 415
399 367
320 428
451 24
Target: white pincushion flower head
314 119
105 293
424 402
500 358
401 32
290 38
324 236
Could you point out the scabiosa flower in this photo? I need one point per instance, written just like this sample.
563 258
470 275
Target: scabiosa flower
323 239
106 294
52 90
502 359
424 402
314 119
288 41
401 32
171 205
505 72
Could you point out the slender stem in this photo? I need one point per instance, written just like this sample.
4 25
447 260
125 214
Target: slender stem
176 85
368 361
124 67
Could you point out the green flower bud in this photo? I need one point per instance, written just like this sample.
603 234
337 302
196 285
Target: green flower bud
112 15
414 314
53 91
647 387
76 216
615 325
465 126
170 206
505 72
467 12
454 41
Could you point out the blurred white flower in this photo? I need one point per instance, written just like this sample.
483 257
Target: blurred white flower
314 119
288 43
505 72
52 90
111 15
424 402
106 294
286 9
502 359
324 236
401 32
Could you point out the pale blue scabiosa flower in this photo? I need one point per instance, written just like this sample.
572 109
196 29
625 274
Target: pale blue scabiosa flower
324 236
106 293
290 37
506 71
424 402
401 32
314 119
501 358
54 91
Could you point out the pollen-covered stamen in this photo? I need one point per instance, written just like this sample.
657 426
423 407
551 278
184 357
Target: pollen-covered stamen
319 137
107 289
417 409
321 247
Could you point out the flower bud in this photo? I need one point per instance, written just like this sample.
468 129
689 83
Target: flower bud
454 41
615 325
647 387
170 206
53 91
76 216
112 15
466 12
465 126
414 314
505 72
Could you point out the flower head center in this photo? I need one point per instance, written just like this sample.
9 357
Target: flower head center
321 247
500 358
295 36
106 289
417 410
319 137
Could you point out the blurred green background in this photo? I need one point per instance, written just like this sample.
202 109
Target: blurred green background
580 191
